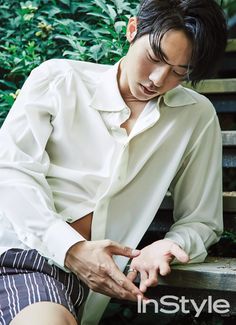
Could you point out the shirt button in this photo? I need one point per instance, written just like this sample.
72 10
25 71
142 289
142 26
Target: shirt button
69 219
50 261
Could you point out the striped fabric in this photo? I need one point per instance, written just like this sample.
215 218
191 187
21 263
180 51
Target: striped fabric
26 277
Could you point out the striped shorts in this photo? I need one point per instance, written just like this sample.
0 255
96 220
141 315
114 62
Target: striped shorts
26 278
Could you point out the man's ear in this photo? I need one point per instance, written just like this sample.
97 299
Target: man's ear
131 30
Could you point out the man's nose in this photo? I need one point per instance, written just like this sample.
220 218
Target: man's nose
159 75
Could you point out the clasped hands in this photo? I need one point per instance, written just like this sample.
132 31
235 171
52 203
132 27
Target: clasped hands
92 262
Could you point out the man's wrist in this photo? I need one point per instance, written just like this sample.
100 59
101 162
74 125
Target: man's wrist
72 251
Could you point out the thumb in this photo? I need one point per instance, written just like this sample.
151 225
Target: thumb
118 249
179 253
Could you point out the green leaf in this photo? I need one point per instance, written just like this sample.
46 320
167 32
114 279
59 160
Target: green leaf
119 26
72 55
9 84
53 11
112 12
102 5
97 14
66 2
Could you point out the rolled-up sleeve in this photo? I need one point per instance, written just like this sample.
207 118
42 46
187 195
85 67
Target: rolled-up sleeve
26 199
197 194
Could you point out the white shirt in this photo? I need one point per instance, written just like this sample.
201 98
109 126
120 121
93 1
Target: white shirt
63 154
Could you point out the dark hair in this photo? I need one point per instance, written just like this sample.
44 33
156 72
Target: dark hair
203 21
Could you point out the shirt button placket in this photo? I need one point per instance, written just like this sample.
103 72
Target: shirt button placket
100 212
99 219
123 163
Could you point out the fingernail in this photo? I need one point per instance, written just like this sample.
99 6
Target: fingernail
135 251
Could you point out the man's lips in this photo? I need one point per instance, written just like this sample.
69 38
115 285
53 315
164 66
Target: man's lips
148 90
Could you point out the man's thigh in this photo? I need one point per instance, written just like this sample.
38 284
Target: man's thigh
44 313
27 279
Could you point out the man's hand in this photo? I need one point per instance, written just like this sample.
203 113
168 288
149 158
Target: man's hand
154 259
92 262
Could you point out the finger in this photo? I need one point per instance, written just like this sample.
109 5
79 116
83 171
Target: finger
118 249
122 280
152 278
132 275
164 269
124 294
105 285
143 278
179 253
115 290
110 288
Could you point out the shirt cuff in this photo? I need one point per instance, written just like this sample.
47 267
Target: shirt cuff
59 237
173 236
193 246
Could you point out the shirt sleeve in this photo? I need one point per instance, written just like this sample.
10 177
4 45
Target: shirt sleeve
26 199
197 194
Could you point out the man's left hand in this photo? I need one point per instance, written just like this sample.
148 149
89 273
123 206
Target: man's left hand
154 259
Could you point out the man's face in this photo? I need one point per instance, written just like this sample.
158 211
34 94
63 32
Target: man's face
144 76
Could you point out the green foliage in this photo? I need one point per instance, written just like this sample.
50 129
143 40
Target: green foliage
34 31
229 7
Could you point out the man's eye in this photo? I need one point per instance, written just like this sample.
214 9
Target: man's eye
181 75
152 59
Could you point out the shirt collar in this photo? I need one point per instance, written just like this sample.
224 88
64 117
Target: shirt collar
107 96
178 96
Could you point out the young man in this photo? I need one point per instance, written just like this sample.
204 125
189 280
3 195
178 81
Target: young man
87 154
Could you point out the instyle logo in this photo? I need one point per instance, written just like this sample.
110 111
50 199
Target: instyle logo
172 304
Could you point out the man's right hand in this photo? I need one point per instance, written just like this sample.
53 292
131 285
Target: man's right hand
92 262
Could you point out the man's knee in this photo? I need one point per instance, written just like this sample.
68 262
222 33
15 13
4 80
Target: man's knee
44 313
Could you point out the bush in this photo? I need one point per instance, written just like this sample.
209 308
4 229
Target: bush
33 32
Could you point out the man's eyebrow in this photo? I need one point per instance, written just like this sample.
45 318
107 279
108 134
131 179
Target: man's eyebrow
186 66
